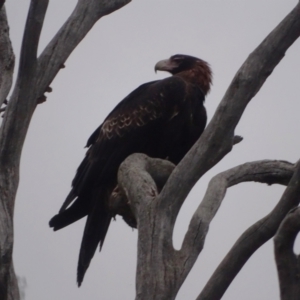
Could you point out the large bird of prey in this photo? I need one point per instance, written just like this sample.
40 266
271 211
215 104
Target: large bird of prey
162 119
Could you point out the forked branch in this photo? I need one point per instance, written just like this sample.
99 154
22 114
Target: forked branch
252 239
34 76
265 171
161 269
218 137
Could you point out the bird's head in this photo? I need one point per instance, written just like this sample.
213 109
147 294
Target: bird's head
189 67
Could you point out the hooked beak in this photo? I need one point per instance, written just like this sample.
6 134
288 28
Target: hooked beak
164 65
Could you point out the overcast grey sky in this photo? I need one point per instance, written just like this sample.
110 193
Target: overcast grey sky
118 55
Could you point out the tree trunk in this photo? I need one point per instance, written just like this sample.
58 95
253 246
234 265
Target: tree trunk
33 79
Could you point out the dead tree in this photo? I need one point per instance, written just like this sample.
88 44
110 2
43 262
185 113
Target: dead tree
161 269
33 79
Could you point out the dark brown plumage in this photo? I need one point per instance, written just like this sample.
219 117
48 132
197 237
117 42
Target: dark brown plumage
161 118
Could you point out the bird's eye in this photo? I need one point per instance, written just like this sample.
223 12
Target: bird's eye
177 58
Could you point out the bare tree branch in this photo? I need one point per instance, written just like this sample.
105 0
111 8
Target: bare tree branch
7 58
253 238
138 171
33 28
159 171
83 18
265 171
160 266
33 79
22 102
288 263
40 73
12 135
2 3
217 139
154 253
161 270
8 284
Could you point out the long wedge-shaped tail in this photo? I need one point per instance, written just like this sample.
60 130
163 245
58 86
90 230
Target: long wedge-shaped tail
94 232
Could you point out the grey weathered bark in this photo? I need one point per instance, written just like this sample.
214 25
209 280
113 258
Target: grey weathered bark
34 76
2 3
155 174
7 58
161 270
253 238
216 141
288 263
8 284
